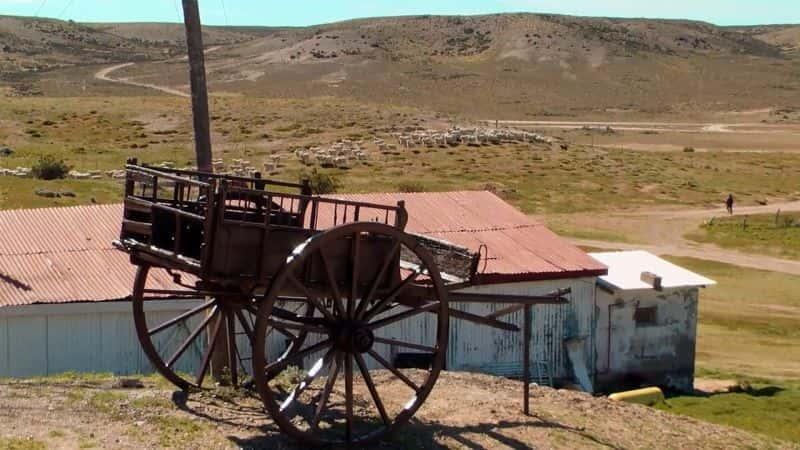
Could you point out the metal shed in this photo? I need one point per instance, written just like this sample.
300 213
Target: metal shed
646 322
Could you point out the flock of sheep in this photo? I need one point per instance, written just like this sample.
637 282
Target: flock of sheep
341 154
475 136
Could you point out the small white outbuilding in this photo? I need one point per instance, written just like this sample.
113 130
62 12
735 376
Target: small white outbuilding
646 328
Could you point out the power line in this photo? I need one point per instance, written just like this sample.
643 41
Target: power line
224 12
177 10
39 9
63 11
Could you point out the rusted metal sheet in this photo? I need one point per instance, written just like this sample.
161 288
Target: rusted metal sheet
63 255
518 248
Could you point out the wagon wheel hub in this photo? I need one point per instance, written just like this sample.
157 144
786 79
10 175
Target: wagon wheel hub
354 337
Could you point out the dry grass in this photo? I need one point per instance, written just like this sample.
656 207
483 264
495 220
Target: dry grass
773 234
100 133
749 322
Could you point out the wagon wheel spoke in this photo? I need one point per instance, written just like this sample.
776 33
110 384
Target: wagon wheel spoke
248 330
356 256
326 392
337 295
285 314
391 368
284 327
233 364
185 345
377 281
282 363
403 315
362 366
181 317
348 397
312 299
201 374
315 370
398 343
384 302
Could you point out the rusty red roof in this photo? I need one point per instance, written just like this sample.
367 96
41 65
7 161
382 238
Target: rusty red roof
519 247
63 255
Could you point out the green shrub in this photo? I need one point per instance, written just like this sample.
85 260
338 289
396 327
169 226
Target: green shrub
50 168
321 182
410 187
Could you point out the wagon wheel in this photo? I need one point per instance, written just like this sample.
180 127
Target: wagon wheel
358 326
179 342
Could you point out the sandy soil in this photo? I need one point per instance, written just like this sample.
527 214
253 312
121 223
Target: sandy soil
662 232
464 411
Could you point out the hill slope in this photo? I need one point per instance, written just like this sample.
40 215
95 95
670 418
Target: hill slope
510 65
464 410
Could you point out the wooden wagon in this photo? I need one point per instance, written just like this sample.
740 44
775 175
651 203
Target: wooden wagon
321 291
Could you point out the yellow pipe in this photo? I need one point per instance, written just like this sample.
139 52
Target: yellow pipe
647 396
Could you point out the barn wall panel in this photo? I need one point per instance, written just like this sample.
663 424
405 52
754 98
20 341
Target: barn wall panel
73 343
3 347
27 346
119 349
480 348
43 340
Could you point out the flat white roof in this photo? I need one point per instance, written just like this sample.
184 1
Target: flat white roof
625 271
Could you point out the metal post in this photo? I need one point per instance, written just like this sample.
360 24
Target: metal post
526 359
197 75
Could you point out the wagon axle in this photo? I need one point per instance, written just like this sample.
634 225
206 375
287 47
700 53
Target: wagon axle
352 336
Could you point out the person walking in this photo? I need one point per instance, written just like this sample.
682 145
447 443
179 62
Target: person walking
729 204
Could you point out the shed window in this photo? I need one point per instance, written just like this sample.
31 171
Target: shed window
645 316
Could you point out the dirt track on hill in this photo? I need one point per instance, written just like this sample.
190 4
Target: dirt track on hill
105 75
669 225
680 127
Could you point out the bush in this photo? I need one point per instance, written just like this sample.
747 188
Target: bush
688 149
410 187
50 168
321 183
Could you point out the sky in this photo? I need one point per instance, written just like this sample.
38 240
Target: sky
310 12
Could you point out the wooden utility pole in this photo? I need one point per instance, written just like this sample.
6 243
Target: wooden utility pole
202 146
197 74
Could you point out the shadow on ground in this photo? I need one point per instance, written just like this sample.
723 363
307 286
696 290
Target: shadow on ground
418 434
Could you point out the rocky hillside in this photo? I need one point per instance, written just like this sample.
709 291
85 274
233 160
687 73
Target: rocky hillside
509 65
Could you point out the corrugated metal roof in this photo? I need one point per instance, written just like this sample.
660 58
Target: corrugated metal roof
625 271
519 247
64 255
60 255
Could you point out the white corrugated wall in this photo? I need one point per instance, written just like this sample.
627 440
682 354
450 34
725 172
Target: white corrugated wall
496 351
40 340
100 337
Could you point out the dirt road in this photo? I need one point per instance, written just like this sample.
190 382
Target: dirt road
679 127
703 251
105 75
663 231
